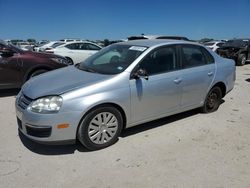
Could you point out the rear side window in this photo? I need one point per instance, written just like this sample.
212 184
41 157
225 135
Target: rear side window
93 47
209 58
74 46
193 56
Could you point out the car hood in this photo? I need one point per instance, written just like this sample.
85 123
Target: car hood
60 81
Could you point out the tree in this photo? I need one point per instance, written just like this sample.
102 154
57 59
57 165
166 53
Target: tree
106 42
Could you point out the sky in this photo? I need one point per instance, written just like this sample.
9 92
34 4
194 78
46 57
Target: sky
118 19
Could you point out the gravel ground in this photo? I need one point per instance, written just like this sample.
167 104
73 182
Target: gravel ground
185 150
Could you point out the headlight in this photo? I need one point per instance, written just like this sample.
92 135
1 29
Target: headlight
61 60
46 105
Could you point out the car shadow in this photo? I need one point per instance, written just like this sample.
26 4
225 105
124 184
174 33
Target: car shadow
158 123
43 149
8 92
248 79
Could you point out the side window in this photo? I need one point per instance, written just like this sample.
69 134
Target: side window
84 46
74 46
209 58
71 46
93 47
192 56
159 61
220 44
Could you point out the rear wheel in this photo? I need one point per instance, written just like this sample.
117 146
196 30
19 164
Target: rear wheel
241 60
100 128
212 101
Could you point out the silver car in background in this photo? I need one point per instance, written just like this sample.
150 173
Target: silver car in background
121 86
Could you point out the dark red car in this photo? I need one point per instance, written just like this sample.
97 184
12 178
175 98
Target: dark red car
17 66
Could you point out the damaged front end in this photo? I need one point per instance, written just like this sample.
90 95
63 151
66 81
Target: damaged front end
229 52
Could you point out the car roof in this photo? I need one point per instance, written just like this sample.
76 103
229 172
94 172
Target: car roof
155 42
158 37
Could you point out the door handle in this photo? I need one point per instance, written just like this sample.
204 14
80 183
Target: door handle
178 80
210 73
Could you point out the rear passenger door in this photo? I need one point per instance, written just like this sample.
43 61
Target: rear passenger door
198 70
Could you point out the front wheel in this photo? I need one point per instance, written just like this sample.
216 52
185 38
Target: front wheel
100 128
213 100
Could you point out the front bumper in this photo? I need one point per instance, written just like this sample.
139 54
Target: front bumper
43 128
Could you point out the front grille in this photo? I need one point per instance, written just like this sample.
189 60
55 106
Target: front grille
24 101
41 131
19 123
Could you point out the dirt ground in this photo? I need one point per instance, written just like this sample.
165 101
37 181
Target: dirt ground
185 150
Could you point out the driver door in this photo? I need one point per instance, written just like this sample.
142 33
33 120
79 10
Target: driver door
160 95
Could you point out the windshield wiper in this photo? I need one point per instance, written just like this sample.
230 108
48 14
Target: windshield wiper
85 68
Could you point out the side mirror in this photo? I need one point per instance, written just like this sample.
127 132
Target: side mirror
140 73
6 52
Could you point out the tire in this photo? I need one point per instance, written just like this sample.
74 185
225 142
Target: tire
241 60
37 72
213 100
70 61
97 132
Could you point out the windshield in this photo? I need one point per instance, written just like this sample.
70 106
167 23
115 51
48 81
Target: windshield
113 59
236 43
57 44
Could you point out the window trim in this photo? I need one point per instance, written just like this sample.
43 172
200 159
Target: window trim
174 46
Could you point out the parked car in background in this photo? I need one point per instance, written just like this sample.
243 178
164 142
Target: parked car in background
157 37
48 46
236 49
26 46
17 66
75 52
70 40
39 44
123 85
214 45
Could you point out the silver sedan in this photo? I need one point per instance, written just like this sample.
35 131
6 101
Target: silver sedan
121 86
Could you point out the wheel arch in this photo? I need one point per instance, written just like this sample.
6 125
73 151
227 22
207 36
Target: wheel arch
118 107
222 86
33 69
69 59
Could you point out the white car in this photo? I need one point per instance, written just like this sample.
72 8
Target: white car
48 46
75 52
70 40
214 45
26 46
150 37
